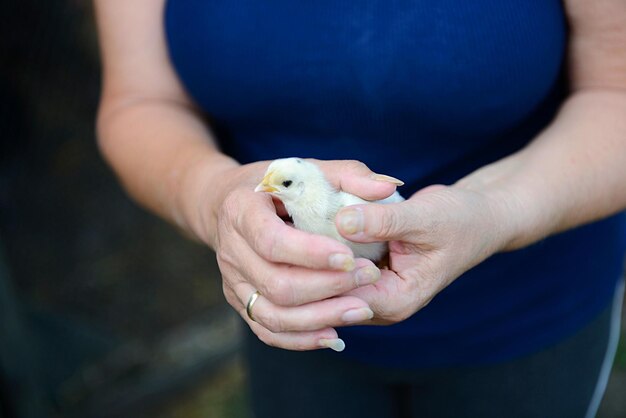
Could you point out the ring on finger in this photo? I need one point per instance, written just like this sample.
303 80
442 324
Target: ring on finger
251 300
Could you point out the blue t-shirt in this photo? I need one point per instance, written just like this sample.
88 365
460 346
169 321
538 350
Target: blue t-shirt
426 91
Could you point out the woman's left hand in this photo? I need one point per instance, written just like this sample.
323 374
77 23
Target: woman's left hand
435 236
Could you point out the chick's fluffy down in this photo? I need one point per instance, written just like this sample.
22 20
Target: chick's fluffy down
313 203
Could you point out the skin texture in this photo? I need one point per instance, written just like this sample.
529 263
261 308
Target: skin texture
167 160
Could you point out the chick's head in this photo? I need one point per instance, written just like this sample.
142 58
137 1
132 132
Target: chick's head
287 178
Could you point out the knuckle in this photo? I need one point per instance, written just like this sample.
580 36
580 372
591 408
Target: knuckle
402 314
392 312
267 338
300 346
265 286
385 225
264 242
229 295
280 290
228 218
227 262
385 313
223 258
357 166
395 315
230 206
338 283
271 321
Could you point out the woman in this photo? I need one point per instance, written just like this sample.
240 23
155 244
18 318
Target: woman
505 120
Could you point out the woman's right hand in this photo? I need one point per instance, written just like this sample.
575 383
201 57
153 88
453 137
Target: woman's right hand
156 141
154 138
298 274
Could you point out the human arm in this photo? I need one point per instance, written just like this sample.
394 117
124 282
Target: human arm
572 173
166 157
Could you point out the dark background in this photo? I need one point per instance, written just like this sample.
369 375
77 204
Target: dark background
123 315
105 288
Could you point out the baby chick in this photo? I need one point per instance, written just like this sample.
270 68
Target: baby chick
313 203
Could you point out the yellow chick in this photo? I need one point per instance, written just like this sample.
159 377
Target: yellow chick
313 203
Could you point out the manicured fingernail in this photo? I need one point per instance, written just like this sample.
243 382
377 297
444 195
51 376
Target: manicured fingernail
343 262
357 315
351 221
336 344
366 275
387 179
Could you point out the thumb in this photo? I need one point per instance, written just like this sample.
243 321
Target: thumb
374 222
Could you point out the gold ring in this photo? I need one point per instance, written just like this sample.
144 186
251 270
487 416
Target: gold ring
251 300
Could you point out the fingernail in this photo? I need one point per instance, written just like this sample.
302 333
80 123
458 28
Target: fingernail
366 275
351 221
343 262
387 179
357 315
336 344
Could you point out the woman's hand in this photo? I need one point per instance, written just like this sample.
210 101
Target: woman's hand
436 235
298 274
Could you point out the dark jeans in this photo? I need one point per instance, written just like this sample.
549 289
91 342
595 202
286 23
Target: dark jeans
557 382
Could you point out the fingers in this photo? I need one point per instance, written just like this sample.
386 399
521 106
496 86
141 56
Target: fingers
339 311
299 341
394 298
277 242
325 337
299 328
303 327
311 317
377 222
356 178
288 285
254 219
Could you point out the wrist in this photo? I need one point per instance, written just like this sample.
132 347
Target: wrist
200 194
511 217
519 217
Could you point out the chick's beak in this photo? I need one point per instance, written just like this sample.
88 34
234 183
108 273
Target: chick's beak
265 186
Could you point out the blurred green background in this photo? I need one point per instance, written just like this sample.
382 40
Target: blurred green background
127 318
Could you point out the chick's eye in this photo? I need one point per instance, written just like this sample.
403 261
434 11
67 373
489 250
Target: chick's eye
287 183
